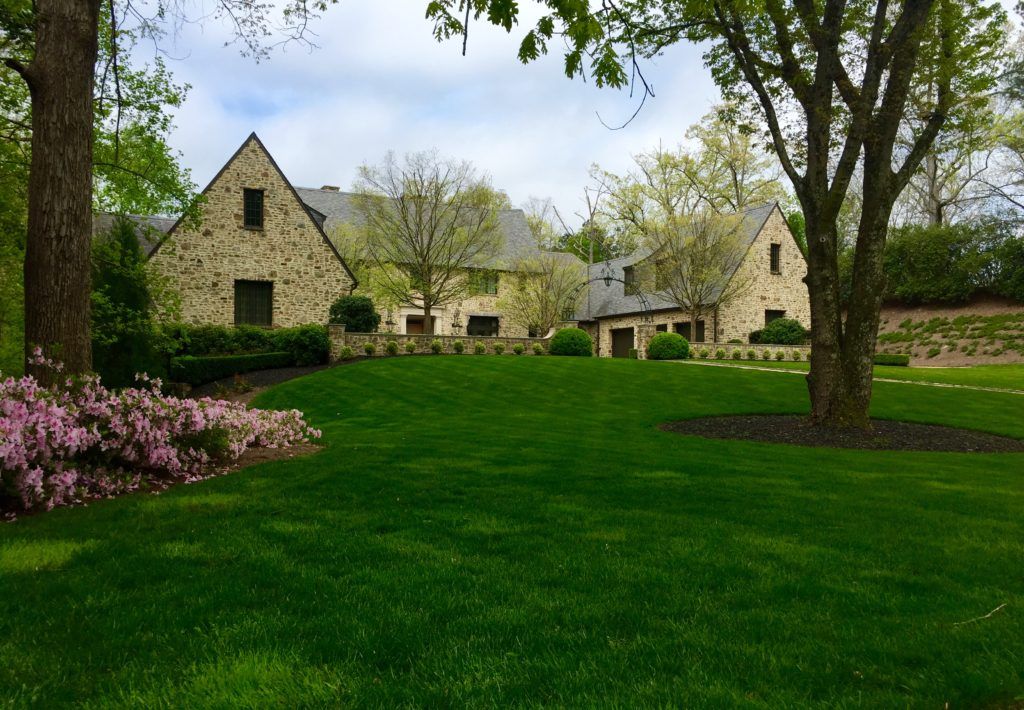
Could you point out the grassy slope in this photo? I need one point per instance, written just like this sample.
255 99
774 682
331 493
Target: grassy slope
1001 376
516 530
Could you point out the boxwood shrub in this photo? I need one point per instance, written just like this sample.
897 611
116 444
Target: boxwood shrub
894 359
782 331
200 370
668 346
499 348
572 342
538 349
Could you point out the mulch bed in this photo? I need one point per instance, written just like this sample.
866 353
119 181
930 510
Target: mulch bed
884 435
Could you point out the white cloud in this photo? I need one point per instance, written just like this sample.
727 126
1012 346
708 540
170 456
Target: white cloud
379 82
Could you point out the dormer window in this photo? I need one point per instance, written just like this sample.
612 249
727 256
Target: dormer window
776 258
252 208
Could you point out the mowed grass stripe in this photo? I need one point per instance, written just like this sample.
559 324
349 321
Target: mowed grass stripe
517 531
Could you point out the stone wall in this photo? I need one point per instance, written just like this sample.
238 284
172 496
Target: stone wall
289 250
357 341
785 291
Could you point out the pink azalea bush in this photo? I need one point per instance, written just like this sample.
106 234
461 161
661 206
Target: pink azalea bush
62 444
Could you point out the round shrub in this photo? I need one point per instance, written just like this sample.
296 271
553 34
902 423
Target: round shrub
538 349
796 355
479 348
356 313
459 347
668 346
518 349
779 355
436 346
410 347
720 354
766 354
572 342
705 353
391 347
499 348
737 355
783 331
347 353
751 354
369 348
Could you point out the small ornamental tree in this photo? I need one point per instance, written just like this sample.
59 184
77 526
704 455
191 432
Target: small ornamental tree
668 346
573 342
356 313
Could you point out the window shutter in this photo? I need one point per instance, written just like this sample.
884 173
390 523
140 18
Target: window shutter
254 303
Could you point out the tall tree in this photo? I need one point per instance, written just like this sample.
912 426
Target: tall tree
53 46
134 170
831 81
696 259
426 222
548 286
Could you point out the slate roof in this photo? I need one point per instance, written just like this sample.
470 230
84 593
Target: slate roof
604 301
150 231
339 208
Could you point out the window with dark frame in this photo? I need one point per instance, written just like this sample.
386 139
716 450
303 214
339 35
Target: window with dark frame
254 303
776 258
485 326
769 316
252 208
487 283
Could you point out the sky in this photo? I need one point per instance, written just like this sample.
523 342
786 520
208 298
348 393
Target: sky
378 81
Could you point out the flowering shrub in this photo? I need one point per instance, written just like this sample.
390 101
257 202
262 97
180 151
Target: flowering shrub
62 444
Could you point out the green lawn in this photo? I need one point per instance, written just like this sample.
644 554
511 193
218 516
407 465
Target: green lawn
516 530
1001 376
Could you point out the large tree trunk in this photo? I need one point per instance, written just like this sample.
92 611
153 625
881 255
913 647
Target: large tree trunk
827 383
57 251
842 352
694 317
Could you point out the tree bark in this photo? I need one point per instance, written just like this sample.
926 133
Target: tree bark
428 321
57 251
694 317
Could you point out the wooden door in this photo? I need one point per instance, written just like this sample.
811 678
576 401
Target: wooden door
622 342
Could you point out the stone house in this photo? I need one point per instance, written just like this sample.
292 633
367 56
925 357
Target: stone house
263 254
621 318
479 312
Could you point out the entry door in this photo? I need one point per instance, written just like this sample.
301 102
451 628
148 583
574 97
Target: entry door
622 342
414 324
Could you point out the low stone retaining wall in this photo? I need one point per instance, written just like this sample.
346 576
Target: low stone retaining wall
422 343
713 351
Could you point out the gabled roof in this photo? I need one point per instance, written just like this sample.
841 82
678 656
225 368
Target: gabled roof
603 301
150 231
339 208
312 214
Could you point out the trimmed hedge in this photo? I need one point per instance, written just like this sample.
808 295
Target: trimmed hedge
572 342
893 359
200 370
308 344
781 331
668 346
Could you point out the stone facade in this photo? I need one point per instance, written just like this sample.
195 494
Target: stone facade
290 250
783 292
482 304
